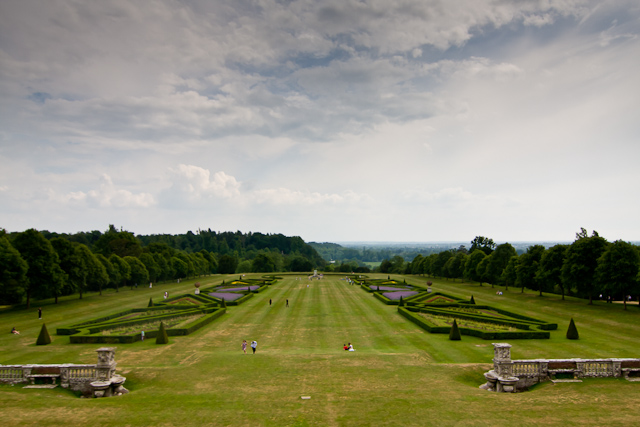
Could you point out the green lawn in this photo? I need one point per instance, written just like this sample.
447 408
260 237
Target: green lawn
398 375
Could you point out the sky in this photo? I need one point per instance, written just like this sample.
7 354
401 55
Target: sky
345 120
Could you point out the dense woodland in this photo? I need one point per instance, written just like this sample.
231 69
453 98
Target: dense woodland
41 264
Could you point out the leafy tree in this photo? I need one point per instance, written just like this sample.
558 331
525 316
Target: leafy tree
121 243
122 271
139 273
45 277
385 266
437 267
549 274
485 244
581 260
455 265
72 263
151 265
300 263
509 274
617 269
498 262
97 276
108 267
179 267
481 269
528 267
227 264
470 267
13 273
191 269
245 266
262 263
166 272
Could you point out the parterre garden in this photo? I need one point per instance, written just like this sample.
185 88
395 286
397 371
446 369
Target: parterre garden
400 374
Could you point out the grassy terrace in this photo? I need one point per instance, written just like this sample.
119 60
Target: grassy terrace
398 375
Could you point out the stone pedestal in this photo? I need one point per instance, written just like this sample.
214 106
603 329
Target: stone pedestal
101 388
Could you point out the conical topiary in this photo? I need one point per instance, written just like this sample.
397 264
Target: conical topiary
43 338
572 332
401 303
162 337
454 334
472 301
150 302
223 303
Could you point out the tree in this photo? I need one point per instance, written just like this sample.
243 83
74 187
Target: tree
481 269
227 264
617 269
13 273
549 274
455 265
472 264
108 267
572 331
528 267
45 276
151 265
121 243
72 263
498 262
509 274
385 266
485 244
163 337
121 269
97 276
581 260
139 273
299 263
43 338
179 267
263 263
437 267
454 333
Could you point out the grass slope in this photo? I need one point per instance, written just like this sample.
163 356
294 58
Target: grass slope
398 375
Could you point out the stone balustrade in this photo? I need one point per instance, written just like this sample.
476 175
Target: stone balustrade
72 376
512 375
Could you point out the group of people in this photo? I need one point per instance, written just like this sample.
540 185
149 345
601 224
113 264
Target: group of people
254 346
348 347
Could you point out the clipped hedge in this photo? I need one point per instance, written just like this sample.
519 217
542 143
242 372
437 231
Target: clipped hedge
95 338
409 314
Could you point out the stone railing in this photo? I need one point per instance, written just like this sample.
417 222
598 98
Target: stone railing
92 380
512 375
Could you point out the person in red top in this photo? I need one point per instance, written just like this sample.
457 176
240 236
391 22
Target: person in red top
346 347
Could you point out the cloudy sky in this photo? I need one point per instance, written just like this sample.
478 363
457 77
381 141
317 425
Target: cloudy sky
369 120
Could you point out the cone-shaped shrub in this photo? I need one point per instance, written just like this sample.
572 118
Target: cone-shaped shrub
401 303
572 332
162 337
150 302
472 301
43 338
388 277
454 334
223 303
377 288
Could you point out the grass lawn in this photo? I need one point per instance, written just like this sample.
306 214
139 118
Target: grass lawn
399 374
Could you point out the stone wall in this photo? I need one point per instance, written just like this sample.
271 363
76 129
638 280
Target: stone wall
513 375
92 380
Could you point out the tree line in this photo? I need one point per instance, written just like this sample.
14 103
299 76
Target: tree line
589 267
40 264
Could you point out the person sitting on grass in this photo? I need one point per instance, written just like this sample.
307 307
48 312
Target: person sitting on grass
15 331
351 347
346 347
